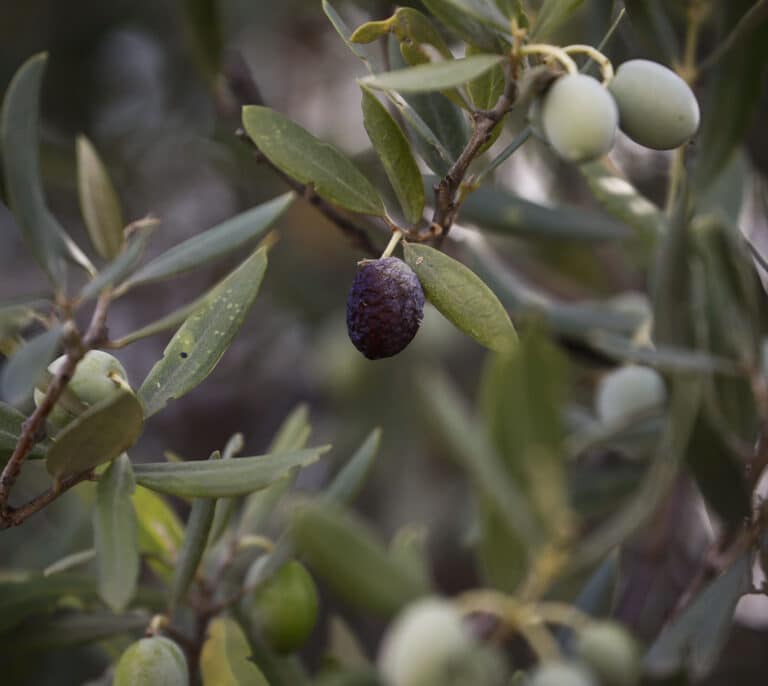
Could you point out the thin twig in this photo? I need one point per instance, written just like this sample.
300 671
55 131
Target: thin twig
77 348
17 516
749 21
357 236
446 204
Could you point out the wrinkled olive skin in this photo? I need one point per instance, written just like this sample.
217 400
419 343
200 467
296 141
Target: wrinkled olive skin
657 108
153 661
91 383
629 391
579 118
561 674
385 307
285 608
611 653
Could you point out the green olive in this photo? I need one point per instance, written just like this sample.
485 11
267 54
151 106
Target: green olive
611 653
286 607
98 376
422 643
561 674
657 108
153 661
579 118
627 392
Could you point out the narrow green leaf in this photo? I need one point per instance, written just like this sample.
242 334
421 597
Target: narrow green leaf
504 213
205 28
523 394
226 657
32 594
14 318
733 97
69 561
344 32
195 542
484 11
695 638
213 243
454 16
351 477
462 297
11 421
408 548
502 554
468 444
436 76
552 15
621 200
395 154
365 575
225 507
293 434
199 344
205 479
160 531
115 538
123 264
98 435
487 88
299 154
19 126
72 628
99 202
28 365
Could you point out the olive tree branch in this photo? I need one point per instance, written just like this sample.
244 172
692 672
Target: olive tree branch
357 236
484 122
76 349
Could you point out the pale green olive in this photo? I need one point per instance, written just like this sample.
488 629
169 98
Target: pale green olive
422 643
153 661
657 108
627 392
561 674
579 118
611 653
98 376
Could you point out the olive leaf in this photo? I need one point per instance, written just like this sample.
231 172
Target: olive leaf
226 656
366 575
196 348
395 154
11 421
351 477
27 366
366 56
435 76
98 435
19 123
221 478
299 154
99 202
551 16
193 547
115 538
458 17
461 297
160 531
70 561
214 243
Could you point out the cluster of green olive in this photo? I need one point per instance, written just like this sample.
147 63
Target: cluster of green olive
579 116
429 644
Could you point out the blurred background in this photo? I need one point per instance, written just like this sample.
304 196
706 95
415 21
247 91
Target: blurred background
143 80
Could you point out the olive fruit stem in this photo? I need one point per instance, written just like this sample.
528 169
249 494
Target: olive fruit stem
606 68
551 51
397 234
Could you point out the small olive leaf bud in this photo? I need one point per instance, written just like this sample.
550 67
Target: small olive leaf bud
98 376
579 118
421 642
611 653
657 108
285 607
384 308
155 661
629 391
561 674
